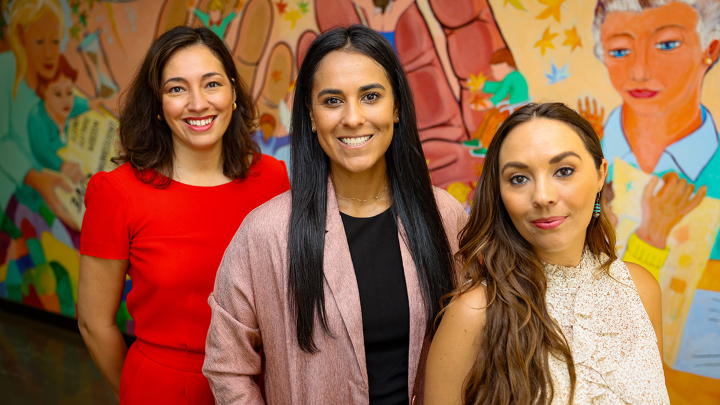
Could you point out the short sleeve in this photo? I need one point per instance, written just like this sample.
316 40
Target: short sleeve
106 228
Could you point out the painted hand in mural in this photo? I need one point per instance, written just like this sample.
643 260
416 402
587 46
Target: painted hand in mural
595 116
45 182
661 211
73 171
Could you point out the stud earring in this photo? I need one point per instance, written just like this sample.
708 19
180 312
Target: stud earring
596 210
397 119
708 61
234 106
159 117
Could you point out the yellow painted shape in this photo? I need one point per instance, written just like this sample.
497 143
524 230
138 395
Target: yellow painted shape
68 257
3 272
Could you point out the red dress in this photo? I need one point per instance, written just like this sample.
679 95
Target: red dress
174 239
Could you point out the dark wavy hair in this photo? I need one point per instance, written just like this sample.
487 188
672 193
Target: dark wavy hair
409 185
512 363
147 141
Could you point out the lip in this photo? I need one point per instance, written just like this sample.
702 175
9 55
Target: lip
356 146
642 93
203 128
48 66
548 223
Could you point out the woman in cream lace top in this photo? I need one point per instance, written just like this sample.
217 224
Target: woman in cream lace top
549 314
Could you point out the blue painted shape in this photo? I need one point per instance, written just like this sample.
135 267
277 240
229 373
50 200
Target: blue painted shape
557 75
24 264
699 351
3 290
128 287
390 36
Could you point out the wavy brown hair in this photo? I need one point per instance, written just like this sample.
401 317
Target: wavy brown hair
512 364
147 141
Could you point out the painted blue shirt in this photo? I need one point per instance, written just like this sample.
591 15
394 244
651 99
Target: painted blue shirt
45 136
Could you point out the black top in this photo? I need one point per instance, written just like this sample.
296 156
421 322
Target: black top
375 251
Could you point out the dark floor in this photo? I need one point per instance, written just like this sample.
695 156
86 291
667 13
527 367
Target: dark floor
42 364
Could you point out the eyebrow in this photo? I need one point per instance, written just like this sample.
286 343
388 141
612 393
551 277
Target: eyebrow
621 34
664 27
181 79
556 159
362 88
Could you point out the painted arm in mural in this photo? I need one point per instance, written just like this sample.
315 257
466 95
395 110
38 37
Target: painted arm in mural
45 182
100 289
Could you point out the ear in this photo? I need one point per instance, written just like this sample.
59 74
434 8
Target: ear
713 50
396 113
20 31
312 116
233 90
602 174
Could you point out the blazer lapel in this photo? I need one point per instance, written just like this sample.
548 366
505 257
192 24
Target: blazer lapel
418 316
340 277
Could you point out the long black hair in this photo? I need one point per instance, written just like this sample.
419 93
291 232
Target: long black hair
408 179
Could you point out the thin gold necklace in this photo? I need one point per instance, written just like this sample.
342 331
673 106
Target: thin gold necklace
361 200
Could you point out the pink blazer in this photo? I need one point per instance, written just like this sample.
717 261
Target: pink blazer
251 310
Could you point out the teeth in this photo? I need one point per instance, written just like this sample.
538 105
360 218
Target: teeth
355 141
200 123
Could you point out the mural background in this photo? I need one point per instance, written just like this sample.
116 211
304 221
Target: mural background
470 63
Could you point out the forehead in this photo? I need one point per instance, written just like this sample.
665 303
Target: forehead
675 14
348 70
192 61
61 81
539 141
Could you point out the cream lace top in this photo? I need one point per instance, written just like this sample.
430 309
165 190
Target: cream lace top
613 343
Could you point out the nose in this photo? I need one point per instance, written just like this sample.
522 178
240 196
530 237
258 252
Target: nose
639 71
544 194
197 102
354 114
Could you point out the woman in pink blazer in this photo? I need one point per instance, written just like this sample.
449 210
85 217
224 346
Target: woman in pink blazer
339 280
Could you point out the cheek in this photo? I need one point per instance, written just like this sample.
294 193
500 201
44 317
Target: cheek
514 202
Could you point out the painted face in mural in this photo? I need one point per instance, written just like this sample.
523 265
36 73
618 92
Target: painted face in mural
548 183
354 111
59 98
197 98
41 41
654 58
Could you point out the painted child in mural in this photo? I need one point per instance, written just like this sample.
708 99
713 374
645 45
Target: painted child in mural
657 57
48 121
445 119
214 18
35 30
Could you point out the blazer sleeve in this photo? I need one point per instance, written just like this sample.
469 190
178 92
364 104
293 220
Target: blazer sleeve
232 349
454 218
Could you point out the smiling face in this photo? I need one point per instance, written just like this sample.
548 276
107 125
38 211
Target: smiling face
59 98
548 184
353 110
197 98
654 58
41 41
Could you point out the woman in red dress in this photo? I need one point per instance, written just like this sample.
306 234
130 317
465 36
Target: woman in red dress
190 175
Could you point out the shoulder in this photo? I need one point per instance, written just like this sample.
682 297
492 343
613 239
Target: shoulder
645 283
271 217
112 182
447 204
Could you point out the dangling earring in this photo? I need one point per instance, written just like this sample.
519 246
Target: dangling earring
596 210
234 106
159 117
313 129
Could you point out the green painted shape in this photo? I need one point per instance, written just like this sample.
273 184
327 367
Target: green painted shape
14 293
47 214
13 275
122 317
43 278
36 251
7 226
64 290
27 279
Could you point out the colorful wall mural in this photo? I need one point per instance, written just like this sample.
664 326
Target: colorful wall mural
643 77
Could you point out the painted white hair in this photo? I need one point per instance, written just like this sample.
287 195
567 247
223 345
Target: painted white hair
708 26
